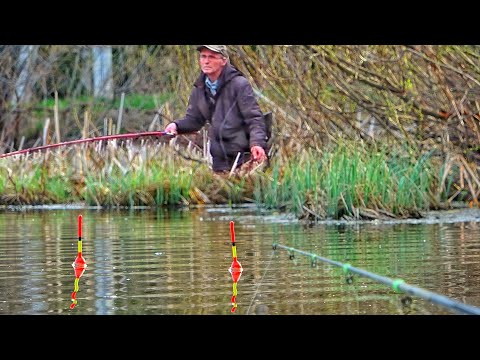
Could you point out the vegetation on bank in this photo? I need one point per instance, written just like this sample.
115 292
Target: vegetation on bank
351 181
361 131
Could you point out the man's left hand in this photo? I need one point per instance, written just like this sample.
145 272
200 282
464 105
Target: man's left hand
258 153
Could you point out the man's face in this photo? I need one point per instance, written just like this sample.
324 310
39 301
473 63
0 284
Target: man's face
212 63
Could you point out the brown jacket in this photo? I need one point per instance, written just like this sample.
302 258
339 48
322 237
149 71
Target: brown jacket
236 119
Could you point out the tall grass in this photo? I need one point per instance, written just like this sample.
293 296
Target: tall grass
421 96
351 181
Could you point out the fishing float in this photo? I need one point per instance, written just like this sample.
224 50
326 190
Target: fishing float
235 269
79 265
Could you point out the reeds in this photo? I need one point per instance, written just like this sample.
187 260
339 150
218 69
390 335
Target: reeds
350 181
361 131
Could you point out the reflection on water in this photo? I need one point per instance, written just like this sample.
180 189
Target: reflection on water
176 262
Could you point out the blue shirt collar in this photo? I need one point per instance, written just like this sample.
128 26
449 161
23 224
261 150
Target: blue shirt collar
213 86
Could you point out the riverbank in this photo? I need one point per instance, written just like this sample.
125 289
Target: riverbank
344 184
457 214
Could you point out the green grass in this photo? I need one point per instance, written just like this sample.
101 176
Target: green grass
348 178
337 184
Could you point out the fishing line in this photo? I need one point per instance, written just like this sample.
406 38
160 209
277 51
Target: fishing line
260 282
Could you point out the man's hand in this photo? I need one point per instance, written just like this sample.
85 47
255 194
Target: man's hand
171 128
258 154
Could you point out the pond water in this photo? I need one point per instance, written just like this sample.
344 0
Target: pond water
175 262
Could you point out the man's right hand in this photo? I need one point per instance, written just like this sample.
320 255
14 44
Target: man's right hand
171 129
258 153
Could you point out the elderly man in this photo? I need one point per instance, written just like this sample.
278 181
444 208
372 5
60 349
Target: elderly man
223 97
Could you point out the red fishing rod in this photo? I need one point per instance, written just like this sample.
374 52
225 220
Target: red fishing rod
79 265
80 141
235 269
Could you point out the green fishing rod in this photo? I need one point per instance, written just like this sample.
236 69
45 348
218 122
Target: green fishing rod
396 284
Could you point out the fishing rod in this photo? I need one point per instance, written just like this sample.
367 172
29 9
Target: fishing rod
86 140
396 284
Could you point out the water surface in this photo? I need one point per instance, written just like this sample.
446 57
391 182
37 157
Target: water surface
156 262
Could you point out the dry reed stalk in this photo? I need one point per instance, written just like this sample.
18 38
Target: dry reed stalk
120 113
45 131
55 117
